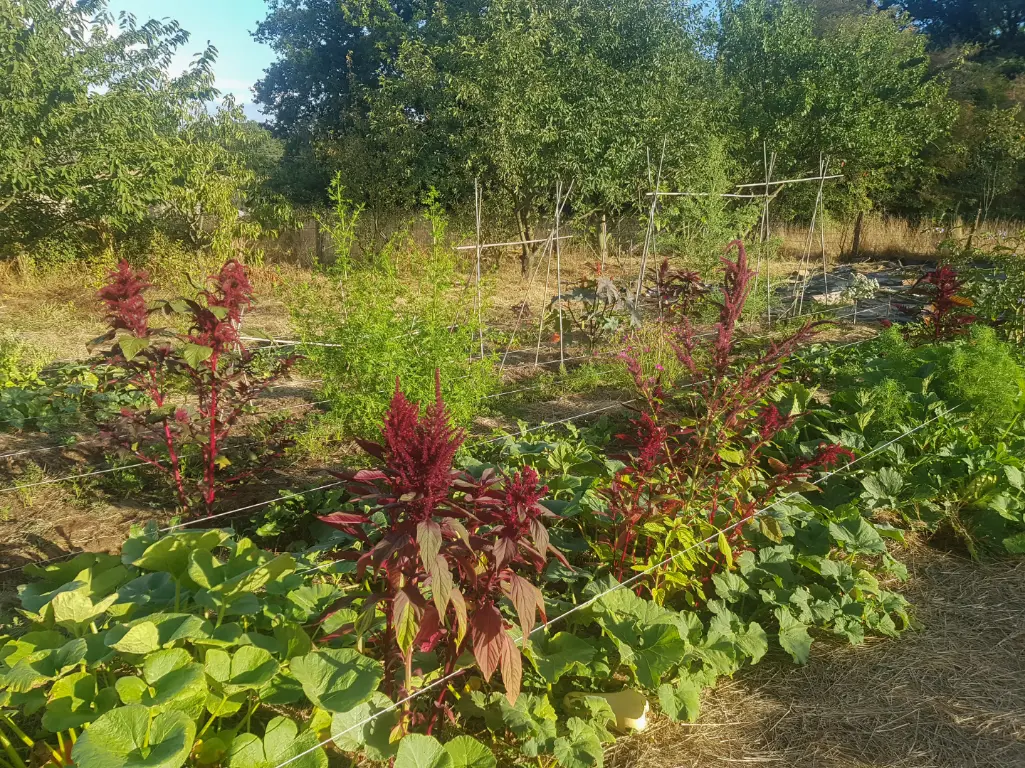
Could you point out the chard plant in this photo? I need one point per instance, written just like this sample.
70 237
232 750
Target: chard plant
196 380
704 461
442 550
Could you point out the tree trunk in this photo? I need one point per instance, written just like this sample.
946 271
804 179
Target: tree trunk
526 251
856 240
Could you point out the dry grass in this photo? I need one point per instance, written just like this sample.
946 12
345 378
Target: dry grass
951 695
888 237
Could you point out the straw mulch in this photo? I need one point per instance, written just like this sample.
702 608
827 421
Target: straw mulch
951 694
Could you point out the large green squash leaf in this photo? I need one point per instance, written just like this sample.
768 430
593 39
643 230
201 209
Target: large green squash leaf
125 738
281 742
559 654
467 752
170 680
337 679
249 667
581 748
416 751
680 701
75 700
793 636
171 553
352 734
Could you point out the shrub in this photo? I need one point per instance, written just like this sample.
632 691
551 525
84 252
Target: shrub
404 317
198 382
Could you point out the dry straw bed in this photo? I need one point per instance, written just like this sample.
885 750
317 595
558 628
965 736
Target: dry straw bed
950 695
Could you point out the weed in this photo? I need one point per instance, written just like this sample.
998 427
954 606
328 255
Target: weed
392 326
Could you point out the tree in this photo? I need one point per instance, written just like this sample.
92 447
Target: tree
862 93
517 93
85 117
995 24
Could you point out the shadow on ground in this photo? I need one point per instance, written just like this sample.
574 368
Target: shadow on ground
951 695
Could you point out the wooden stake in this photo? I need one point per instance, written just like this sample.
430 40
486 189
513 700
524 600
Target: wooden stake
478 202
558 272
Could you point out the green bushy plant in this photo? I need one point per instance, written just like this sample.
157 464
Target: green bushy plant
979 373
403 317
959 406
61 397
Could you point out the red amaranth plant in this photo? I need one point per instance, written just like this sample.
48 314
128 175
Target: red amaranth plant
944 312
452 547
700 465
174 433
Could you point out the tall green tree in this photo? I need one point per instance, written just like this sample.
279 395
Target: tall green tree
517 93
860 91
86 117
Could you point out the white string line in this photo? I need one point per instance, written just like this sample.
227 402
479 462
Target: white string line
258 504
621 585
81 443
73 477
65 556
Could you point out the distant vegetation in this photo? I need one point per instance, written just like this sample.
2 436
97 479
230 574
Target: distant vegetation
100 149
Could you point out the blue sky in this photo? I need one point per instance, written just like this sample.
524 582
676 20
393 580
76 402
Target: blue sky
225 23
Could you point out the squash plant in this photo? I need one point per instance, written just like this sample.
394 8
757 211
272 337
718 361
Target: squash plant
180 651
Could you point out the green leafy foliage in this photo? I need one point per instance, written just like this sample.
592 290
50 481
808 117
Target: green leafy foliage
148 650
401 318
86 87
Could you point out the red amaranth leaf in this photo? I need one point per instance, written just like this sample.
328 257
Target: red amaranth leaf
487 635
526 599
512 668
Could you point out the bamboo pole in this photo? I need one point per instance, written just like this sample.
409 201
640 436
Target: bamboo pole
789 181
510 243
478 202
537 269
806 260
649 239
558 272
